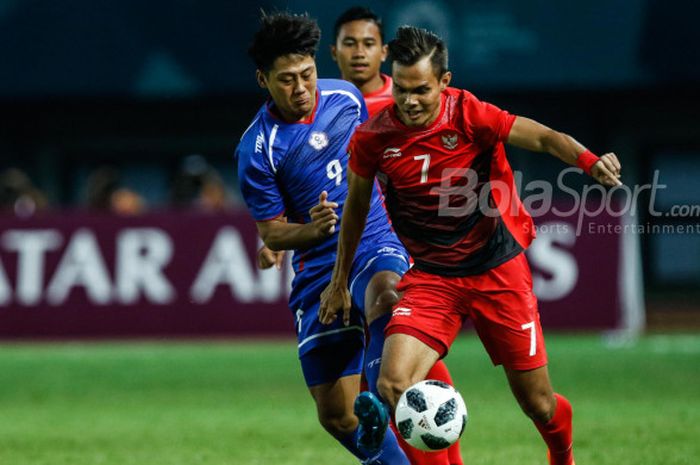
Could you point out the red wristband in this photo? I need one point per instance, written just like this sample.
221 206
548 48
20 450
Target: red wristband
586 160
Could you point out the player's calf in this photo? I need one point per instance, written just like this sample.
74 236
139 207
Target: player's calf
534 392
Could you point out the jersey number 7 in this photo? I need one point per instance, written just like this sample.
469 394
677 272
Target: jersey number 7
424 169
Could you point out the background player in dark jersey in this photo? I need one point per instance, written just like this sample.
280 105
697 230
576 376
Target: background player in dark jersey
291 160
359 51
438 150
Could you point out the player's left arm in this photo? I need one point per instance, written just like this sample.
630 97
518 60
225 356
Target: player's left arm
336 296
530 135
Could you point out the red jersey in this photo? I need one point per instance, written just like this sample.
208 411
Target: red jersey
449 188
381 98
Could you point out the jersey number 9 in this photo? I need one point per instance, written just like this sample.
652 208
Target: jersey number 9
334 170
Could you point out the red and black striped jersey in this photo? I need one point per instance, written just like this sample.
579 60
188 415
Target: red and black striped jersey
449 188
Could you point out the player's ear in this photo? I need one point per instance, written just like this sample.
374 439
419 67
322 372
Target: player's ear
445 80
334 52
385 52
261 78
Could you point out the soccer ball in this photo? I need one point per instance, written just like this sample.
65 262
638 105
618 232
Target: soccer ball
431 415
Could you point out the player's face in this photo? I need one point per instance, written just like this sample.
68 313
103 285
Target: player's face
359 51
417 92
292 85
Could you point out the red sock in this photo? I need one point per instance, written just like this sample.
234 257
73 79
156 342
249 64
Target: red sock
558 433
454 454
440 372
450 456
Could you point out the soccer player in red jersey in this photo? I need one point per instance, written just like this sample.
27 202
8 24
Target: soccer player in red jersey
359 51
453 202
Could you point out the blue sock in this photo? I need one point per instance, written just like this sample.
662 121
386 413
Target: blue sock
389 454
373 353
390 451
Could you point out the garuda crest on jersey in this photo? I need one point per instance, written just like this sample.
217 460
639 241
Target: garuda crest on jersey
449 141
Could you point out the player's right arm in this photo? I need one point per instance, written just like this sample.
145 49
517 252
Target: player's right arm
277 234
336 296
259 183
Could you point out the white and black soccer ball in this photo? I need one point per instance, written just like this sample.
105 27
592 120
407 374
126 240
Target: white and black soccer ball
431 415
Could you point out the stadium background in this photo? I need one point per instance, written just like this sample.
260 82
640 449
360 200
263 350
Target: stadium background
120 217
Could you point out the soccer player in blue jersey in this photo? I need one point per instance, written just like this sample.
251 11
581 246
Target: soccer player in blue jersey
292 163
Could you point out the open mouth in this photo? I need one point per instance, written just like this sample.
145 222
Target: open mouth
413 115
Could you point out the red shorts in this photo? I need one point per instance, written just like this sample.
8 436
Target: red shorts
500 303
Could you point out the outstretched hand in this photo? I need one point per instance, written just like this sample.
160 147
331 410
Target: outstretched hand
323 216
607 170
333 299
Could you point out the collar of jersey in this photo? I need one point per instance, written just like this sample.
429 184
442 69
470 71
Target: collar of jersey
443 104
381 90
309 120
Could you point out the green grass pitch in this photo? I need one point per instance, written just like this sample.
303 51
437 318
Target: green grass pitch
244 403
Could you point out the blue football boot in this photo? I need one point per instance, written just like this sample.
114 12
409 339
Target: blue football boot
374 420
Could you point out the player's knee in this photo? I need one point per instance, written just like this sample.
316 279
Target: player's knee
383 304
538 406
338 425
391 389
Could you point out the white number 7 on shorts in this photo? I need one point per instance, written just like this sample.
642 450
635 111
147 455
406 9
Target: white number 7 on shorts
533 337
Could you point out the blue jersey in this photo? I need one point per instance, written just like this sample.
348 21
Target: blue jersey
282 170
283 167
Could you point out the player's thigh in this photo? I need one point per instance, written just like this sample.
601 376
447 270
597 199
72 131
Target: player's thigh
507 320
430 309
332 374
327 363
381 294
374 277
406 359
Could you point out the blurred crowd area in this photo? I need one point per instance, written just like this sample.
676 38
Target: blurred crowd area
120 189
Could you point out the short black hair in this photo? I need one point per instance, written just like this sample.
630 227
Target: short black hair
358 13
412 44
283 34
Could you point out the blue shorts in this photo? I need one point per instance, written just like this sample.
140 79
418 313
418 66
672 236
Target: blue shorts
386 255
329 362
370 262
